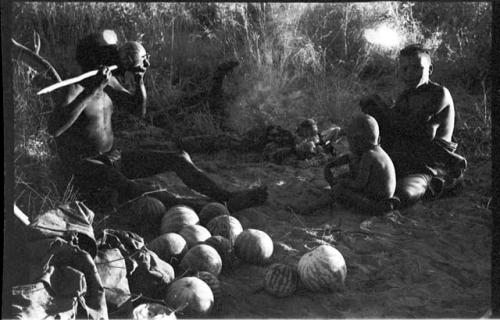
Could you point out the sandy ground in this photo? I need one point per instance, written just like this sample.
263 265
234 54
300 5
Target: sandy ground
429 261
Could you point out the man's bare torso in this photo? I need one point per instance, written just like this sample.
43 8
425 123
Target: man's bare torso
92 132
431 108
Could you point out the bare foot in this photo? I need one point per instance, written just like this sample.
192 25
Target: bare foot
247 198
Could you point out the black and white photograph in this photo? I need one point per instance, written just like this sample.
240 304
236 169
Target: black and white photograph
170 160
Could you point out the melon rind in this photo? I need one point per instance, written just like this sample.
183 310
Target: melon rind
194 293
281 280
323 268
177 218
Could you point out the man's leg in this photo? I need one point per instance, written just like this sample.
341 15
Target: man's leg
412 188
144 163
93 175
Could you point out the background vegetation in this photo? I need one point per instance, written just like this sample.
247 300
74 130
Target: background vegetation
296 60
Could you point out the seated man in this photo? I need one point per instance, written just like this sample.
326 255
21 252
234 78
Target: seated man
81 125
417 131
371 181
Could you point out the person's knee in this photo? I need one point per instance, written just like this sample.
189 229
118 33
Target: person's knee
412 188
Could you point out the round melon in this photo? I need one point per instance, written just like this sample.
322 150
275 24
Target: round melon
224 249
177 218
147 311
281 280
194 233
212 210
322 269
254 246
192 296
212 282
170 247
227 226
146 210
202 257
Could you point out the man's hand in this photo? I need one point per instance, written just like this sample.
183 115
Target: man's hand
101 79
139 70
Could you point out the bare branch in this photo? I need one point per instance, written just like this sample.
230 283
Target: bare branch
36 42
34 60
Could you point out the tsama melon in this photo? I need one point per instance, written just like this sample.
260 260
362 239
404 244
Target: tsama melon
224 249
147 311
177 218
146 210
194 233
192 294
212 282
201 257
281 280
254 246
170 247
227 226
322 269
210 211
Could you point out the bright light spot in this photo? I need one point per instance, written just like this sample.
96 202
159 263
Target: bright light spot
280 183
383 36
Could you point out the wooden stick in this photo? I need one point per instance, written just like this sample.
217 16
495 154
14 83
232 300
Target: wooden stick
21 216
69 81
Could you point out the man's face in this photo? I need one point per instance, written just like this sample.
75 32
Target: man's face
143 60
414 70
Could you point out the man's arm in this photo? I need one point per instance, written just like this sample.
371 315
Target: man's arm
74 102
441 122
124 98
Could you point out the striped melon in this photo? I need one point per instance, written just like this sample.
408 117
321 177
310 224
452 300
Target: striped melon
194 233
323 268
193 294
254 246
281 280
177 218
227 226
201 257
224 249
170 247
212 210
146 210
212 282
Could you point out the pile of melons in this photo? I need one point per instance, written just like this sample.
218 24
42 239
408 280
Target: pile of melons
199 246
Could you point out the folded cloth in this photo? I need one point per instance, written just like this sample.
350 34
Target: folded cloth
64 238
71 221
54 296
147 274
54 261
113 273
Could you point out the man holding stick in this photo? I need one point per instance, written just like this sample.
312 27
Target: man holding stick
81 125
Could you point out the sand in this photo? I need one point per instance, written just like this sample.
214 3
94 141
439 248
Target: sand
429 261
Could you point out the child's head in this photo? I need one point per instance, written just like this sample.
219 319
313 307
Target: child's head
415 65
307 128
363 133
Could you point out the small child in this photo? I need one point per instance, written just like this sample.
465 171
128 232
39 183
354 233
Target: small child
371 181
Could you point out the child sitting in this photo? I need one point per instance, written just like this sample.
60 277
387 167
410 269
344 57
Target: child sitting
371 181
